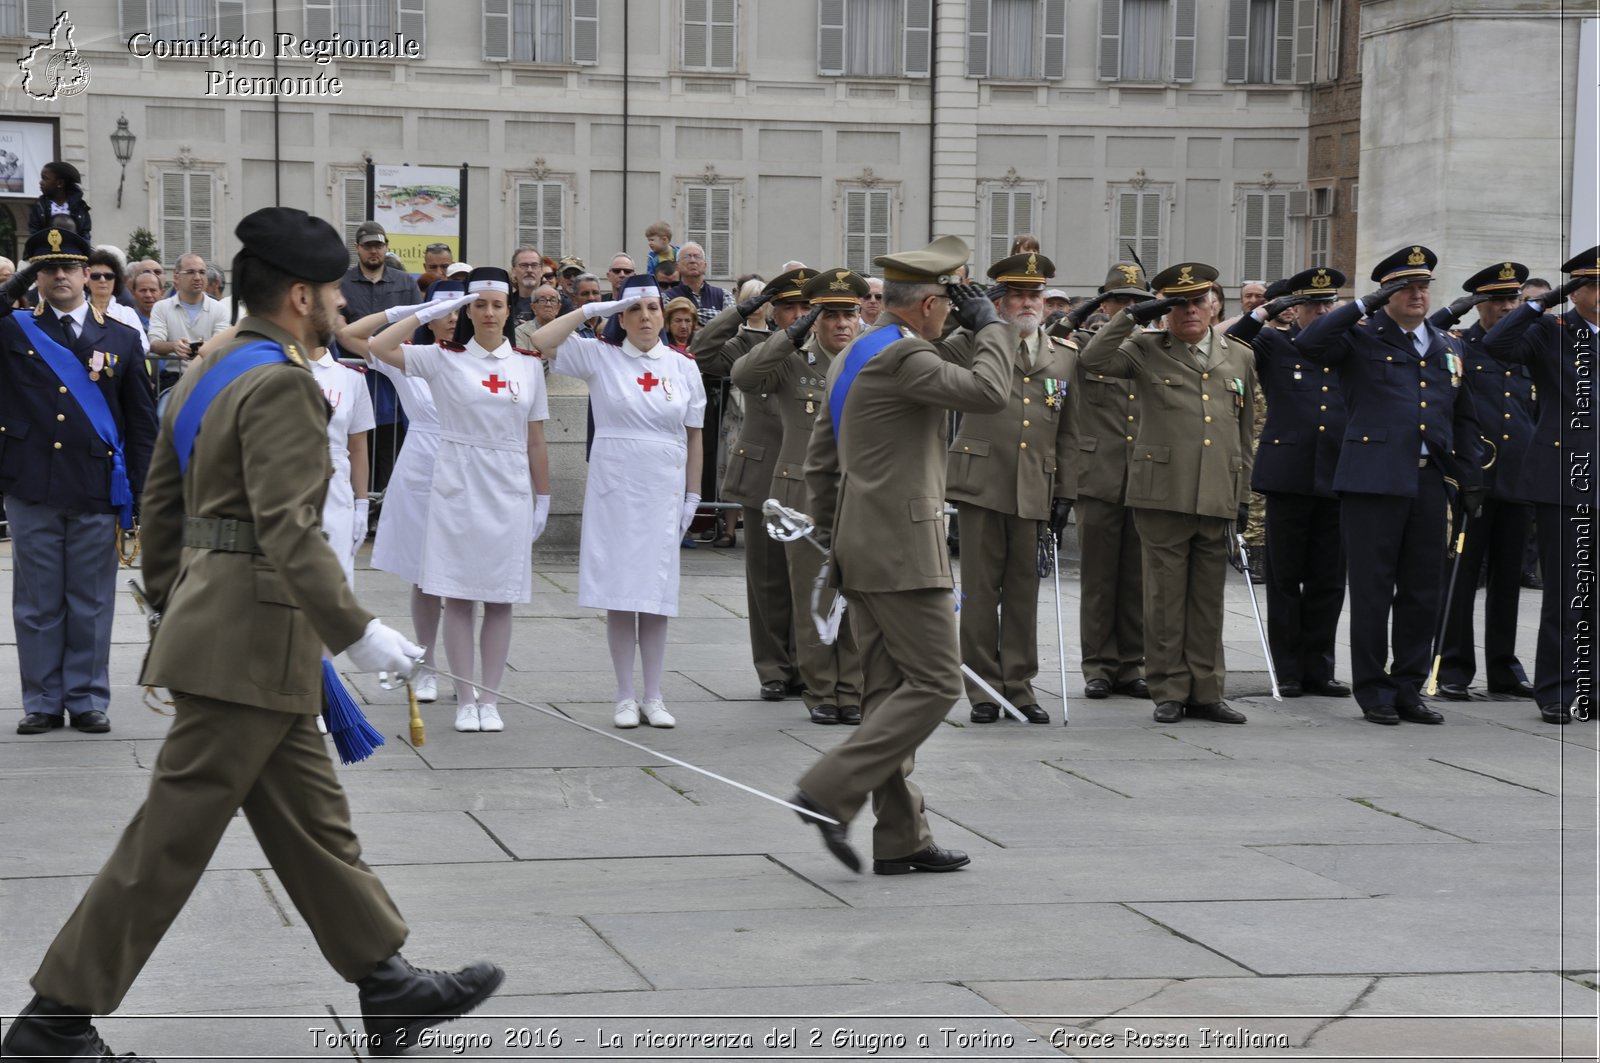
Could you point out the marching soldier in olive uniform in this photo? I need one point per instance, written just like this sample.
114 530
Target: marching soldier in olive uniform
1188 482
1297 453
1396 371
715 347
1106 412
1559 479
248 590
792 367
876 486
1011 475
1502 399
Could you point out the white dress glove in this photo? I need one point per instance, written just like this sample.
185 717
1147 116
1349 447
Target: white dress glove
615 306
358 529
444 307
400 313
383 649
541 515
691 502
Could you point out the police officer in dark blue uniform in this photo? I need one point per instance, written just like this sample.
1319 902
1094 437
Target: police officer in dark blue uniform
77 423
1558 477
1502 397
1295 460
1410 426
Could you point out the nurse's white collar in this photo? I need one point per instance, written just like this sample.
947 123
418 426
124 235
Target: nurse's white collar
658 351
327 360
479 351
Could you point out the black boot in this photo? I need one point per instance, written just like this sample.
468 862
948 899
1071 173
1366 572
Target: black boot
47 1030
399 1001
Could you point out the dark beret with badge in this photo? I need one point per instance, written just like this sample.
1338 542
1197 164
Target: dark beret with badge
54 246
836 288
1502 278
1321 283
1126 280
1185 280
790 287
1414 263
1026 272
938 263
293 242
1585 265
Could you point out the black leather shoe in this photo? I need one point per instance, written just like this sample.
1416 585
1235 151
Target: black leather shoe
1169 712
1554 714
774 690
1418 714
850 714
93 722
932 858
37 723
985 712
1454 692
1331 688
1097 689
824 713
1290 688
1133 688
399 1001
1520 689
1218 712
833 834
47 1030
1034 713
1383 714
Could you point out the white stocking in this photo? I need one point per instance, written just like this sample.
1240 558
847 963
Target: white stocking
458 615
494 646
425 620
652 652
620 637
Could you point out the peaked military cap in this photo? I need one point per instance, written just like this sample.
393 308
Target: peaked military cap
1126 279
790 287
1320 282
935 264
1278 288
1030 271
1502 278
1409 263
294 242
1584 265
1186 278
54 246
836 287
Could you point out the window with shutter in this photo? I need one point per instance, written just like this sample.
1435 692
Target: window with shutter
413 21
1012 212
320 19
830 37
874 38
541 31
188 216
365 19
1110 40
585 31
1332 12
868 227
496 31
710 35
1055 39
979 17
1183 40
1144 31
1136 220
916 60
1265 231
1305 40
27 18
708 221
352 193
187 20
1261 45
1318 232
541 216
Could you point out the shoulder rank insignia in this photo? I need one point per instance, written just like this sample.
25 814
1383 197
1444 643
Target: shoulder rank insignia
907 334
295 357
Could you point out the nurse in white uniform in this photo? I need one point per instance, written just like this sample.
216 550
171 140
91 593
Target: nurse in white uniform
644 473
489 498
397 548
344 511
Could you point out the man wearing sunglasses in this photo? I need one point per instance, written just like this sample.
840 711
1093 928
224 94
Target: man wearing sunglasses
872 302
617 274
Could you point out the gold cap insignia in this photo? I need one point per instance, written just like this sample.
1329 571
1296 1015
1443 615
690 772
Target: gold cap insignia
1508 272
841 282
1185 276
54 239
1416 258
1033 265
1321 280
1129 274
800 278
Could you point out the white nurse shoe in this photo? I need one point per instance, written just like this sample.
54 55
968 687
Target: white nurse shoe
627 715
426 686
656 714
467 718
489 718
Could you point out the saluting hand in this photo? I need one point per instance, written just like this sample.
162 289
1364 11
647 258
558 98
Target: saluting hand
1459 308
1281 303
973 307
1556 296
797 331
755 302
1078 314
1381 297
17 287
614 306
1148 311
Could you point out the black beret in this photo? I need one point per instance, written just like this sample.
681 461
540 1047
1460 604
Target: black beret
295 242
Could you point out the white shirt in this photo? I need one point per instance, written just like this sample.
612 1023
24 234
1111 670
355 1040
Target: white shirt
169 322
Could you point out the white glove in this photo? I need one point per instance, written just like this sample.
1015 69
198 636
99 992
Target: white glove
691 502
615 306
383 649
444 307
358 529
541 515
400 313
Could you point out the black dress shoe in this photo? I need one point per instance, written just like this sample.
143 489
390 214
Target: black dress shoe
833 834
1034 713
93 722
1454 692
1383 714
1096 689
1418 714
1133 688
1169 712
37 723
773 690
47 1030
1290 688
932 858
850 714
1520 689
985 712
1218 712
824 713
1330 688
399 1001
1554 714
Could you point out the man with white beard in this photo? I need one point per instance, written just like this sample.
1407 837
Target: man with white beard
1012 475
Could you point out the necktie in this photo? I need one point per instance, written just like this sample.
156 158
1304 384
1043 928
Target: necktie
1022 355
1419 343
67 330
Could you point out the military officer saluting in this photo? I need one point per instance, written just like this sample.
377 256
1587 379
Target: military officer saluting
1558 477
1502 400
77 423
1410 425
1295 460
1188 481
715 347
792 367
1010 474
875 480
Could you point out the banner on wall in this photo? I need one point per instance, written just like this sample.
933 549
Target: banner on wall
418 206
25 146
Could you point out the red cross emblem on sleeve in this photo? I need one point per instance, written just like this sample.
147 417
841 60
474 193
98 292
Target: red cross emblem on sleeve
494 384
647 381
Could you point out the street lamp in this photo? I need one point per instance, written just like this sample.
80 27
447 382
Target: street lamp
122 143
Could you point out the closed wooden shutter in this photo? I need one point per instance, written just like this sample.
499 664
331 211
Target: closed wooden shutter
1110 40
585 32
978 38
830 37
1183 40
1055 39
1236 61
916 53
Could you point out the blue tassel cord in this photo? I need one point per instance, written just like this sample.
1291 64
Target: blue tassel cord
353 736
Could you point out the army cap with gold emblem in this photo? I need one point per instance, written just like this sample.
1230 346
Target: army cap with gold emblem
1409 263
1126 280
1502 278
837 287
1030 272
1584 265
56 247
1184 279
1321 283
935 264
790 287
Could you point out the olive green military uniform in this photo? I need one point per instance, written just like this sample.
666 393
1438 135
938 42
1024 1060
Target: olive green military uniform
1190 471
750 459
239 647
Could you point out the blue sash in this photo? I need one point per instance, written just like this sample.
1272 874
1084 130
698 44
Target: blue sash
238 362
861 352
87 394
